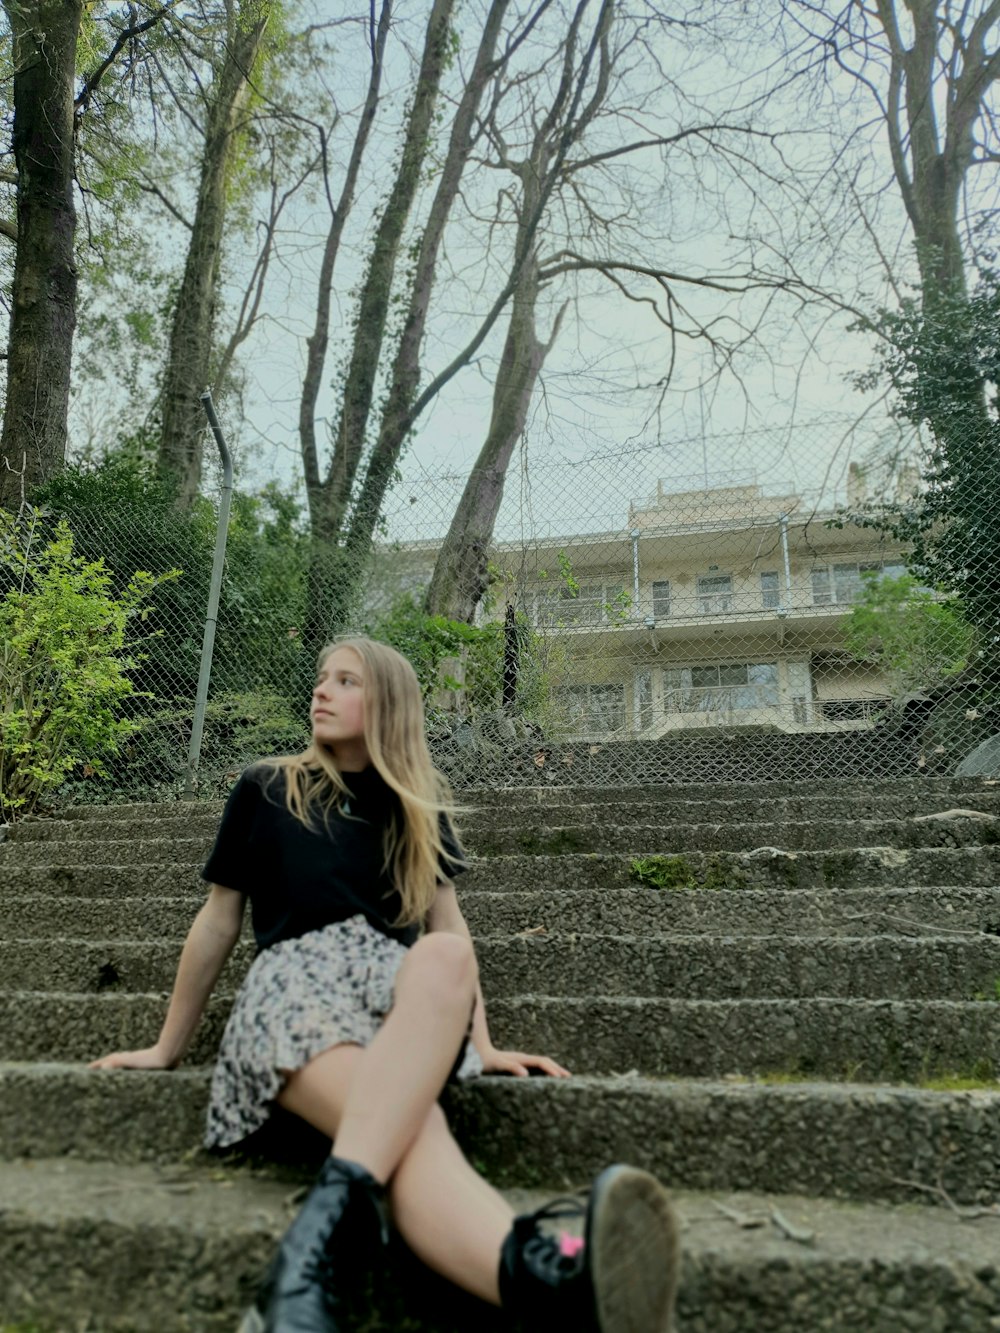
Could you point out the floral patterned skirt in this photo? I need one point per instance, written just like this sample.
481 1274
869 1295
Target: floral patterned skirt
299 998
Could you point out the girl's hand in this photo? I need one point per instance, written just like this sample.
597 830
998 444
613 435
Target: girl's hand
514 1062
150 1058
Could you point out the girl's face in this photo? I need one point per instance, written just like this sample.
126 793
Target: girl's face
338 701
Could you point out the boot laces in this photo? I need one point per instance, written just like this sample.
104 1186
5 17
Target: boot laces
555 1255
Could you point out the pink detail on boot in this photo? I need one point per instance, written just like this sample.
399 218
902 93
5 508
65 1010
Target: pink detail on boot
570 1246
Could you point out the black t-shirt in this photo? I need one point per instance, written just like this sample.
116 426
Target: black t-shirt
300 879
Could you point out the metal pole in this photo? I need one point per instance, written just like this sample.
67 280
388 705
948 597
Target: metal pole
635 573
215 587
783 518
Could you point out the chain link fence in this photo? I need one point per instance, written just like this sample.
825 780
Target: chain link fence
782 612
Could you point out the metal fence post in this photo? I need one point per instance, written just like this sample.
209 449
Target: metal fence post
215 587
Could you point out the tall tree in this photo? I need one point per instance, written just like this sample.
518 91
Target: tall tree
43 314
570 220
191 353
932 70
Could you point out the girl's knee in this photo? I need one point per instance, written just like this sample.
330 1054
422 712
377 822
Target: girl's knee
446 963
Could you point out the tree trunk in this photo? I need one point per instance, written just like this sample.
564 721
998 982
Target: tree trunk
396 418
460 574
319 340
190 356
561 123
333 578
43 314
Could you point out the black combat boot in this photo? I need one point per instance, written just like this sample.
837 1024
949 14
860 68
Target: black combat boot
326 1257
620 1277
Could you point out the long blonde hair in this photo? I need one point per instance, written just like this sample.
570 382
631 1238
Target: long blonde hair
397 746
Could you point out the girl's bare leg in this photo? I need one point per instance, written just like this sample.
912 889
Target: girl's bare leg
408 1063
448 1215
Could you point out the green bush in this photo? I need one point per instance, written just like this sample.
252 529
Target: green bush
152 763
68 642
918 639
427 642
121 511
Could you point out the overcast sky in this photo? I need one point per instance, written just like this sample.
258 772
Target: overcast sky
786 414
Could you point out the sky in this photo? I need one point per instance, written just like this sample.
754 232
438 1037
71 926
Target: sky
785 412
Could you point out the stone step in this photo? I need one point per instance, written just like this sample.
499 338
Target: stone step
836 1140
547 793
874 1040
634 911
165 870
179 1251
479 823
704 967
553 840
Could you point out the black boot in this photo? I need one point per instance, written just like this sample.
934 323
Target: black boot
326 1257
622 1277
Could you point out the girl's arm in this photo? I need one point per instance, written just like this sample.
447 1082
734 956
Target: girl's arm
209 943
445 914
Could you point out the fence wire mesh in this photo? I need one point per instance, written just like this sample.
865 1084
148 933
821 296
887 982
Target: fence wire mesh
795 615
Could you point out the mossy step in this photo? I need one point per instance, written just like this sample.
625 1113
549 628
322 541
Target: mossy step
131 1249
949 830
529 821
547 793
165 869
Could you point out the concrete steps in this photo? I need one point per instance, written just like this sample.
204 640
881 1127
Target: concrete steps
703 967
893 1040
934 910
185 1246
849 1141
765 866
177 820
757 1005
155 844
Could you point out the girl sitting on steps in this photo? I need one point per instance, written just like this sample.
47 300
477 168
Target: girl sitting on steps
354 1020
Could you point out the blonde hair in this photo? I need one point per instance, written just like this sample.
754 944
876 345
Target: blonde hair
397 745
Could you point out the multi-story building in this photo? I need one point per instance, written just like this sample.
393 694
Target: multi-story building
712 607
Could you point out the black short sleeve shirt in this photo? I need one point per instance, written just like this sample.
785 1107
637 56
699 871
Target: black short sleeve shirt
300 879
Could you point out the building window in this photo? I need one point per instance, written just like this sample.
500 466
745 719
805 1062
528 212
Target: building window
715 594
587 604
845 583
852 710
720 689
661 599
582 605
769 590
593 708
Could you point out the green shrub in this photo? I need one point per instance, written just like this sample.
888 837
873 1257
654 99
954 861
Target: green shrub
68 643
152 763
427 642
918 639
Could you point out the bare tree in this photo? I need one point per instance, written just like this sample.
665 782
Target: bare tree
341 539
930 69
566 228
191 355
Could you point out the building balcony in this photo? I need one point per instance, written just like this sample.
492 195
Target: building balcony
586 623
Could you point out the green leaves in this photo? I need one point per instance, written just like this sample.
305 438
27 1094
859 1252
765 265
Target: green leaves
427 641
67 646
916 636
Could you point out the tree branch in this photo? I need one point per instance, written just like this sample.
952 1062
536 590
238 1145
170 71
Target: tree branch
91 82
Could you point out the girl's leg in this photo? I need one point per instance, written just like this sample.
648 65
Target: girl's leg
408 1062
449 1216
